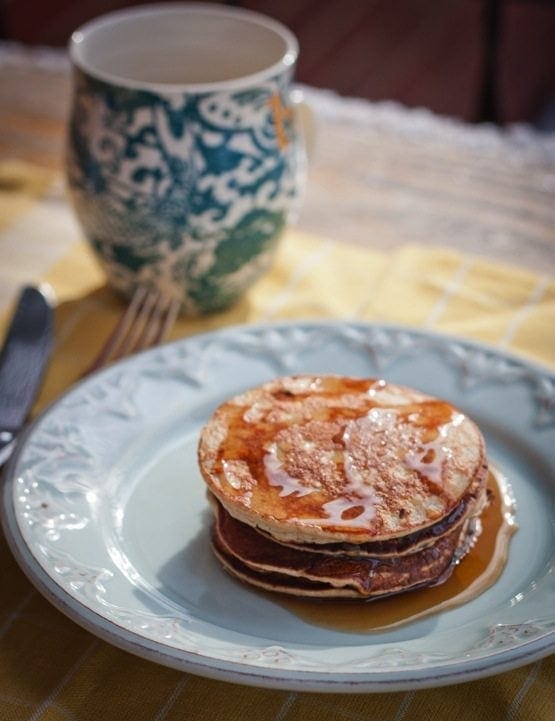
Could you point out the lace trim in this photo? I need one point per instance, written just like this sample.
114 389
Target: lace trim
416 124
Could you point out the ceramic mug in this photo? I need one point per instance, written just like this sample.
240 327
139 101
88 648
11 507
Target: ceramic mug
184 159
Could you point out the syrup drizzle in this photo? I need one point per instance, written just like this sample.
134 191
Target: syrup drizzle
431 455
475 573
356 505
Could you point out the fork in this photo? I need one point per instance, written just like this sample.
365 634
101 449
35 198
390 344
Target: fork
147 320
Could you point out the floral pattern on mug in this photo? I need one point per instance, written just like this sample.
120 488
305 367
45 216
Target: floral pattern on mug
185 192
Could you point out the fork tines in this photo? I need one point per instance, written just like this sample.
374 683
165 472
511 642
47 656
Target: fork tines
145 323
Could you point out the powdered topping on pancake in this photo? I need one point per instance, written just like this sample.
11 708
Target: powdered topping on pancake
336 459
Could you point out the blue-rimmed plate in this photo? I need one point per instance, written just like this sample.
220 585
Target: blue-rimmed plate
105 509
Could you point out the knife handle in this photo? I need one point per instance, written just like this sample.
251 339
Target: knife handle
23 358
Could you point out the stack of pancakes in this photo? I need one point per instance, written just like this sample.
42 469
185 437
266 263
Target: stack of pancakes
340 487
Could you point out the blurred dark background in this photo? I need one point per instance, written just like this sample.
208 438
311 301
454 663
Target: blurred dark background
477 60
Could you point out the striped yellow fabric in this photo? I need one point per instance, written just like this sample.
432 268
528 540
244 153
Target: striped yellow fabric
322 278
52 670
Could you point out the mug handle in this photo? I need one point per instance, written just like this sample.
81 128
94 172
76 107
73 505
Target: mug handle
305 121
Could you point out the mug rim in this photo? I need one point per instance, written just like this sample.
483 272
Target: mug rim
286 61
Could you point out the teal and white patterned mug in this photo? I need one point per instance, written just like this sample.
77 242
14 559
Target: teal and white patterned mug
184 160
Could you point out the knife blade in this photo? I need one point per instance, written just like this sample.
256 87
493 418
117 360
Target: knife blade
26 350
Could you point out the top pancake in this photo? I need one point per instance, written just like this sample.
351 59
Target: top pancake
319 459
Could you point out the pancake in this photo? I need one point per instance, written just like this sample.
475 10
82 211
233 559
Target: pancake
324 459
400 545
340 487
255 558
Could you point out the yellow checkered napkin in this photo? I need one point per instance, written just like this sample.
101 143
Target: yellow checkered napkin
52 670
320 278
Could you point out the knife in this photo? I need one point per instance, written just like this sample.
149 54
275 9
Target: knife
23 358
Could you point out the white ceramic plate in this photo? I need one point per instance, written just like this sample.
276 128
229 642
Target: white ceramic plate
105 510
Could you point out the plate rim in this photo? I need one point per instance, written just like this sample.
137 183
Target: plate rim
432 675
